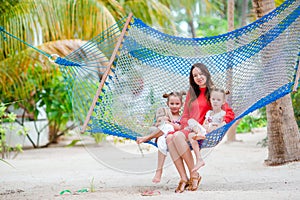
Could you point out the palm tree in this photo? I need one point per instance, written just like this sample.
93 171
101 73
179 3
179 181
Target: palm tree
283 133
189 12
231 133
57 27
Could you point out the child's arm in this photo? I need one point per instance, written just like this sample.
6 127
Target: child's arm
160 119
215 126
176 126
186 114
206 125
155 134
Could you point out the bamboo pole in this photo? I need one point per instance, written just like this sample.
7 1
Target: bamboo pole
112 58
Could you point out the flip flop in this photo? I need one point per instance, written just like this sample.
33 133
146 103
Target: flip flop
151 193
65 192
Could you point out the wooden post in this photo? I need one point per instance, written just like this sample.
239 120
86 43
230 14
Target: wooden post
112 58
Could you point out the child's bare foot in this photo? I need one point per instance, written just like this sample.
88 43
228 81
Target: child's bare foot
157 176
200 163
199 137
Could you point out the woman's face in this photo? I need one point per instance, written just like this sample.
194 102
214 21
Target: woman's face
199 78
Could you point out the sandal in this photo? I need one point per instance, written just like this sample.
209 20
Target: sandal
182 186
194 183
151 193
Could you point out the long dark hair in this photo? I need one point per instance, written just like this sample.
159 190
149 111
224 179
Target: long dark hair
194 88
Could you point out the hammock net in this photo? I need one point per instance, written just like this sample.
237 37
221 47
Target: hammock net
256 63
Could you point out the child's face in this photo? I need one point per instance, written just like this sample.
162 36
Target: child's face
217 99
174 104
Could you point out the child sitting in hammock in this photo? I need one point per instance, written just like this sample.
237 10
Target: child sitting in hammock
213 119
167 119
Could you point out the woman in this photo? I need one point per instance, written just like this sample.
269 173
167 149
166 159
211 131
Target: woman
195 107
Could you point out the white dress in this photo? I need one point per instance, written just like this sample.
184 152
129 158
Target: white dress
215 119
161 141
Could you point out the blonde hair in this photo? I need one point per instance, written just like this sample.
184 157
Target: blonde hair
215 89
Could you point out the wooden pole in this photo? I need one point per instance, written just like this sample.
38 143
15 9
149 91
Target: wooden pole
112 58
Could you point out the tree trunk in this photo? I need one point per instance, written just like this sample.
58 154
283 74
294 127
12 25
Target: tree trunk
191 22
244 12
283 133
52 136
231 133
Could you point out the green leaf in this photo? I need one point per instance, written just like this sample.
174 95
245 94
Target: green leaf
73 143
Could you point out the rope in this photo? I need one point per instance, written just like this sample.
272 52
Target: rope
58 60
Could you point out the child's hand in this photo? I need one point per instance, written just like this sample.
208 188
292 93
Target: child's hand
163 119
209 119
140 140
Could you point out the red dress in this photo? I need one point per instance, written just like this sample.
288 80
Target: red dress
198 109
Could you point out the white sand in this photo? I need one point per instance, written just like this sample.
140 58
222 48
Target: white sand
232 171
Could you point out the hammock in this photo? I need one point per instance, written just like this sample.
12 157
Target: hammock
116 80
135 64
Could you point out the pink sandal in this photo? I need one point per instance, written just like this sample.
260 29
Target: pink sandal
151 193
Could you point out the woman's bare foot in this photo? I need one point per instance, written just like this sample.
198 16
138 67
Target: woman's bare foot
157 176
200 163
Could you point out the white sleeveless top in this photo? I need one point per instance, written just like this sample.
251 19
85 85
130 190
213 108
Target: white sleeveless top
216 118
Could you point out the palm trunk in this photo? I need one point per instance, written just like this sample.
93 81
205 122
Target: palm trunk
191 23
244 12
231 133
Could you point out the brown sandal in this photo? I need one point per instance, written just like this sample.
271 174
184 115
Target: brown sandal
194 183
182 186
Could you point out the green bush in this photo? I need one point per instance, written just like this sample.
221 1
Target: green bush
7 118
249 122
296 106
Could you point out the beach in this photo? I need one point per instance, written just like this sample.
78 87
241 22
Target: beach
107 170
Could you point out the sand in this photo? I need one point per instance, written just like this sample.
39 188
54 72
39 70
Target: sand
108 171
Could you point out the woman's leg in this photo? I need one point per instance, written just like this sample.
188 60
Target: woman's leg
178 162
176 158
183 149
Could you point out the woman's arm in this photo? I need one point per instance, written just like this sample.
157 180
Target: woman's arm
229 113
